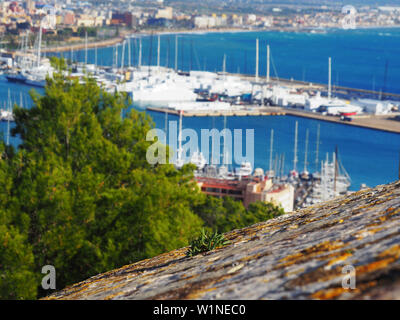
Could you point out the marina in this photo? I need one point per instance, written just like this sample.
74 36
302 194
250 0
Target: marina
383 123
248 101
291 191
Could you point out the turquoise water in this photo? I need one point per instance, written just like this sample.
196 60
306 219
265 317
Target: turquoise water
369 156
17 94
359 60
359 57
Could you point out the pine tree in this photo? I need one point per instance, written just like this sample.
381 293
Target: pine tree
80 177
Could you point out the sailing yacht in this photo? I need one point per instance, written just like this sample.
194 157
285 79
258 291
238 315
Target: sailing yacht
179 161
334 181
34 73
16 76
198 160
6 115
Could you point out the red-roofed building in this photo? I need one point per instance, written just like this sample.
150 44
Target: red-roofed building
249 191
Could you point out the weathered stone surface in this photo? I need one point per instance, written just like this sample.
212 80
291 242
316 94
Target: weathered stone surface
296 256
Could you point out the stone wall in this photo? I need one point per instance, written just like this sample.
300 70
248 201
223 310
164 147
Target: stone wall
296 256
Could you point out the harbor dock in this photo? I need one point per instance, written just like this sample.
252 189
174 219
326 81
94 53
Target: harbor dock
253 111
386 123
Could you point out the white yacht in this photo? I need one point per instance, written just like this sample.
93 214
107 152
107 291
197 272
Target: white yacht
198 160
334 181
245 169
6 115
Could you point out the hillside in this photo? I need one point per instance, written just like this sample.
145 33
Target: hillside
295 256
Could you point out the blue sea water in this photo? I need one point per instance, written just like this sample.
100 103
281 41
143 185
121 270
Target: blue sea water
364 58
361 59
369 156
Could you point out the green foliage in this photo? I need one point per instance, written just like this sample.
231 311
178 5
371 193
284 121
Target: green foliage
206 242
17 279
91 31
262 211
80 193
226 214
58 64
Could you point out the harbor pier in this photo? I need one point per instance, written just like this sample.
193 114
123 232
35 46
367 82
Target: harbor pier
388 123
242 112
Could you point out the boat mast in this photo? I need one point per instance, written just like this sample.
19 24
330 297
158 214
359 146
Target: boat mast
158 52
168 49
225 157
166 126
123 55
39 45
150 56
180 137
295 147
257 58
317 151
140 52
336 169
271 146
268 64
8 118
306 152
86 48
191 55
176 52
135 46
276 167
330 79
129 52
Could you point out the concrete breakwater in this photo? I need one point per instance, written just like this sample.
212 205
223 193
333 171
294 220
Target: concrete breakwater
82 46
219 113
386 123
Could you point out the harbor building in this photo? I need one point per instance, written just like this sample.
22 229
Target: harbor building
249 191
165 13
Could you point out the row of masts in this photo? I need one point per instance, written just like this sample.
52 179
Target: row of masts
275 166
127 41
295 151
26 63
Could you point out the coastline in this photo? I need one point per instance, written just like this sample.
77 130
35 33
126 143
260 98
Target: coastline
80 46
120 39
373 122
124 34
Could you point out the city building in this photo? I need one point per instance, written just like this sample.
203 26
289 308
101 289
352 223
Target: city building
165 13
249 191
69 18
124 18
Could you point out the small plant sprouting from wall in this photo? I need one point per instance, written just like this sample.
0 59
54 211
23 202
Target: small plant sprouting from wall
206 242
